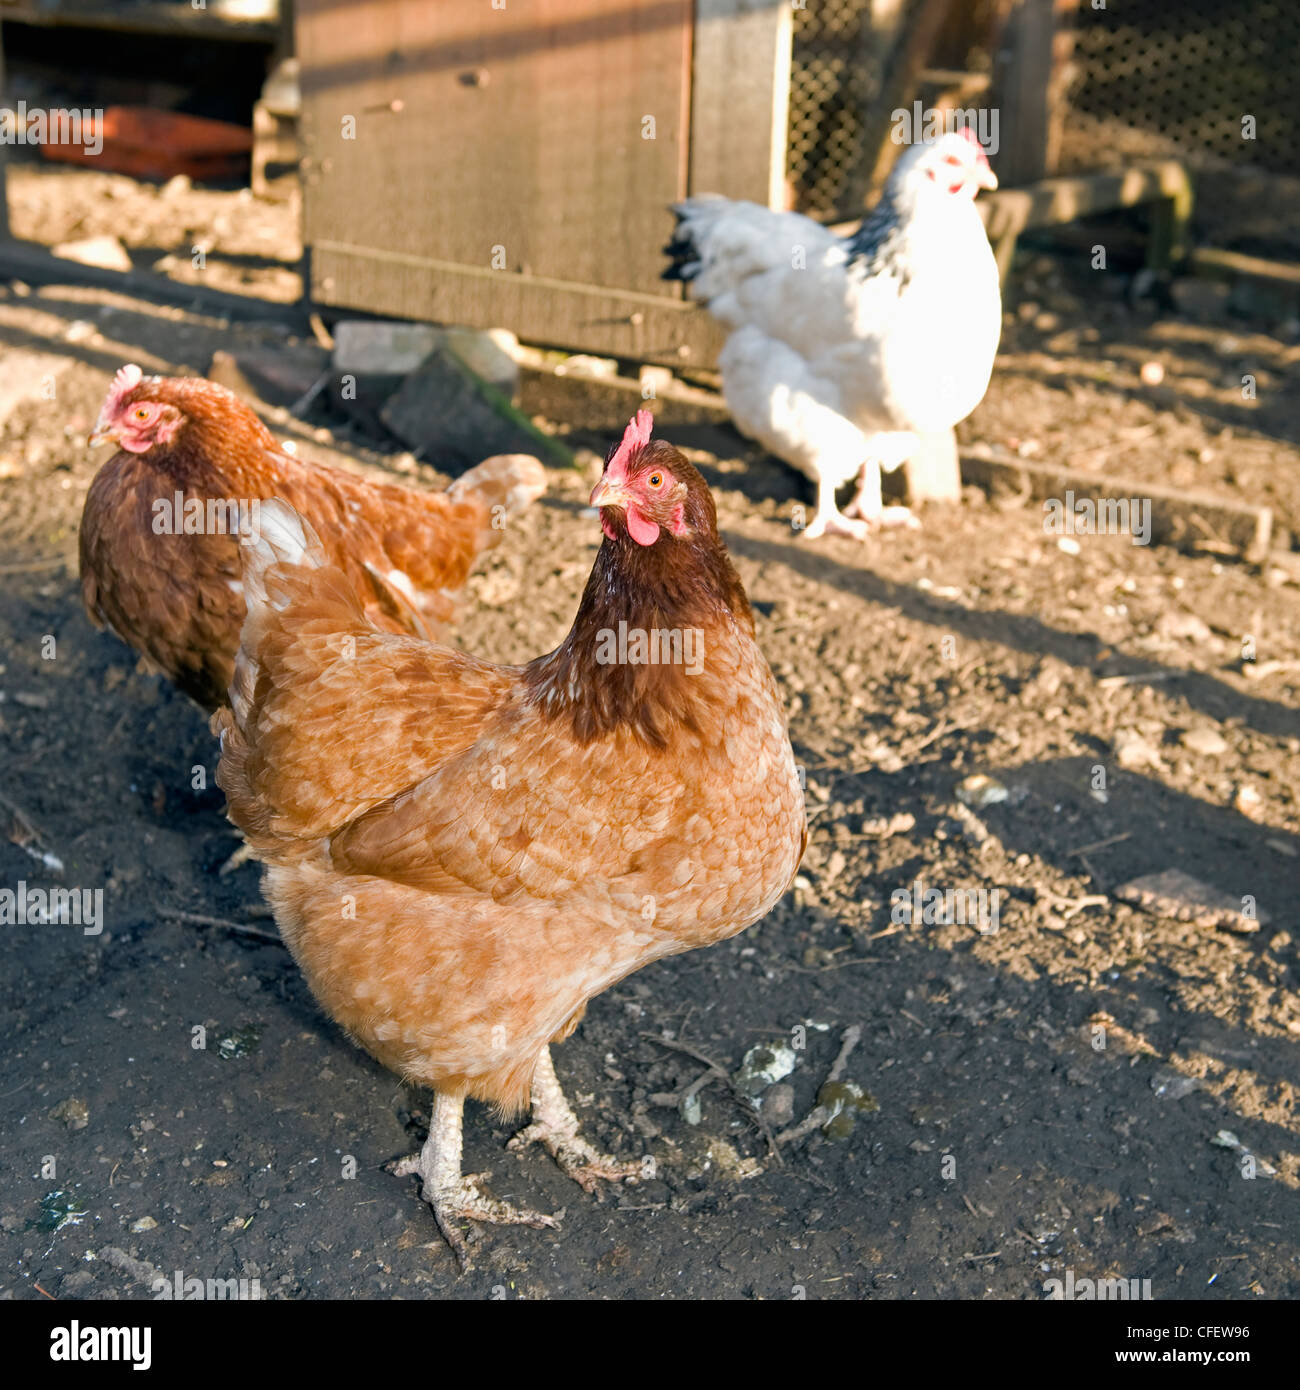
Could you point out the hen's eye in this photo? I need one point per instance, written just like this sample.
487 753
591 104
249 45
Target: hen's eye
142 412
656 480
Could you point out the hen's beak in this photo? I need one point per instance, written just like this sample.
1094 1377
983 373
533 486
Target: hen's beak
985 177
102 434
608 493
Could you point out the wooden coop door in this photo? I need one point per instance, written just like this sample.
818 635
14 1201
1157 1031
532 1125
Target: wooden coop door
512 166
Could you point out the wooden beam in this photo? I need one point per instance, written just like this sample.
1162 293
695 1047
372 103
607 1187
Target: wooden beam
1178 517
740 99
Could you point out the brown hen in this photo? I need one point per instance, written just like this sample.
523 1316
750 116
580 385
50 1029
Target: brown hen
460 855
163 520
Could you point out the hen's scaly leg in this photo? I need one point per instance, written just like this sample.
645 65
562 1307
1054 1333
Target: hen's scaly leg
452 1194
555 1126
828 520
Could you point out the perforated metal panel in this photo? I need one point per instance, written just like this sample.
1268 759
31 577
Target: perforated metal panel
1176 77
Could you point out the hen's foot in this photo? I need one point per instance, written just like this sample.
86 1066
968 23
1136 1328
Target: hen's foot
885 518
453 1196
555 1127
836 524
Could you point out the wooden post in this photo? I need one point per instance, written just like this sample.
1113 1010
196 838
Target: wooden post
1036 43
740 99
4 197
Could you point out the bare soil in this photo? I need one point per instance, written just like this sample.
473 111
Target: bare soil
1039 1099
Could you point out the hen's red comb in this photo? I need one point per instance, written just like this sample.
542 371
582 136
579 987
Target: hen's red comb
127 379
635 437
969 133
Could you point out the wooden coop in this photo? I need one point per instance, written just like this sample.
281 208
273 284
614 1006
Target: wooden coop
513 165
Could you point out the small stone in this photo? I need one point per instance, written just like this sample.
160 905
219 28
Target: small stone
980 790
106 252
145 1223
778 1105
1172 1085
1249 803
1135 753
1152 373
1208 742
74 1113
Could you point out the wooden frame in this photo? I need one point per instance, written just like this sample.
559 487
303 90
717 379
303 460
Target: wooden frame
583 212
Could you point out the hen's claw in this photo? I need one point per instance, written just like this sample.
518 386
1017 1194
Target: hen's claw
581 1161
555 1127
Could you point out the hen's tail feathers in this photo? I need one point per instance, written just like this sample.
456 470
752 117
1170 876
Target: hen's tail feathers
506 484
684 259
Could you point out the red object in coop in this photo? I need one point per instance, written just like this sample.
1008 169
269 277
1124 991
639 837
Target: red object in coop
152 144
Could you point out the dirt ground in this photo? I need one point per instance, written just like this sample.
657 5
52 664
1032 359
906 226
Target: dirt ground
1039 1099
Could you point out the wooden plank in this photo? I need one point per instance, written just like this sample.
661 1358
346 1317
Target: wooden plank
1232 265
1178 517
590 318
740 99
544 138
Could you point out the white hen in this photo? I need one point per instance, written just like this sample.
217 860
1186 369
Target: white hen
843 351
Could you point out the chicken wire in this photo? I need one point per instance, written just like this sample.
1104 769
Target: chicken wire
1177 77
1154 78
1146 79
833 84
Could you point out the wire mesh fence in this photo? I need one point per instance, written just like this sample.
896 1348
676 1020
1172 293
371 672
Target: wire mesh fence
1204 81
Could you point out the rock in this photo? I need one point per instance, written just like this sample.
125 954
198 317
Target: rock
1152 373
1177 895
106 252
367 348
1208 742
778 1105
280 376
456 420
145 1223
1180 625
1134 752
489 353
